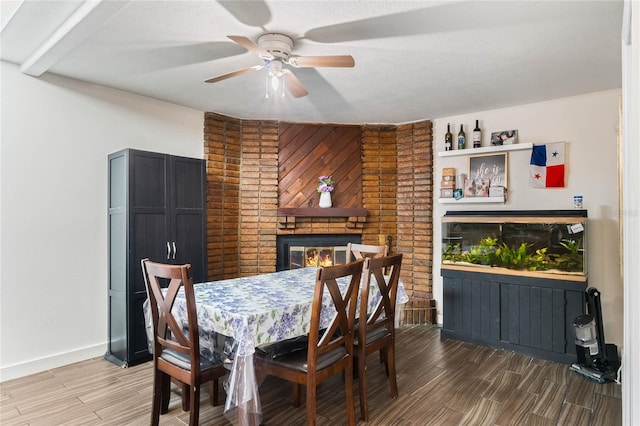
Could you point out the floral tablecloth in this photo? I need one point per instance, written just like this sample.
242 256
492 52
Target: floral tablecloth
253 311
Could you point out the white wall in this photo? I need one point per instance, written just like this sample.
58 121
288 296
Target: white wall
55 138
631 211
588 124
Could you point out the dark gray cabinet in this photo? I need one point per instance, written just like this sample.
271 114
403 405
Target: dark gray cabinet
529 315
157 210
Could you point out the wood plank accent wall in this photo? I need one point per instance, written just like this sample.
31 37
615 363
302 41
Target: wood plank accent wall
244 176
308 151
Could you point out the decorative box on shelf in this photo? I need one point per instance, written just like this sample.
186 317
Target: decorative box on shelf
446 193
448 182
496 191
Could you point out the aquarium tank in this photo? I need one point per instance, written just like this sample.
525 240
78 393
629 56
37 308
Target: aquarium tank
550 242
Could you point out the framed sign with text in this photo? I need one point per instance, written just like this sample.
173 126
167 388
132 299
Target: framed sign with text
491 168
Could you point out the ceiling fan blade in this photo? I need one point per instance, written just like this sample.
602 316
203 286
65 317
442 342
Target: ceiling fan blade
294 85
411 22
234 74
251 46
322 61
255 13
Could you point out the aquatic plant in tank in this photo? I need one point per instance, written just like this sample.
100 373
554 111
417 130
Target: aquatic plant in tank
491 252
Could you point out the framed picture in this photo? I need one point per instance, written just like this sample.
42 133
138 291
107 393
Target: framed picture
489 168
505 137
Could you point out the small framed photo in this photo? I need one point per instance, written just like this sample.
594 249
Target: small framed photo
482 187
469 188
505 137
486 171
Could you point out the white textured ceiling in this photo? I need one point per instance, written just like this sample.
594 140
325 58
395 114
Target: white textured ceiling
414 60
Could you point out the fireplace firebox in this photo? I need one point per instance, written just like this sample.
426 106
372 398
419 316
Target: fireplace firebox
300 251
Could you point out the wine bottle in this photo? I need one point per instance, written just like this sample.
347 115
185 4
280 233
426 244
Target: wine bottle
477 136
462 139
448 139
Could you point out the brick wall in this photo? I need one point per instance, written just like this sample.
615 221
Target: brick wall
380 183
222 137
242 169
258 197
415 206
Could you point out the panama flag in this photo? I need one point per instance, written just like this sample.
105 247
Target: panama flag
547 165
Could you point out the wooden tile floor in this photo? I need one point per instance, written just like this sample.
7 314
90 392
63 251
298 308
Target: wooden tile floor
441 382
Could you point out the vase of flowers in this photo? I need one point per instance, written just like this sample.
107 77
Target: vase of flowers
324 189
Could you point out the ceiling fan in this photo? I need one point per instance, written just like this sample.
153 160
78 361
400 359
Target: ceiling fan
275 50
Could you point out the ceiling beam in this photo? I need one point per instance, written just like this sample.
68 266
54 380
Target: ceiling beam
8 11
85 21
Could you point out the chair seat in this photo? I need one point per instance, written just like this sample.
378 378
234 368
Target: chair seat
298 360
372 335
284 347
183 360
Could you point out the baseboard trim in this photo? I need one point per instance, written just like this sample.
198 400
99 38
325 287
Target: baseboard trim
45 363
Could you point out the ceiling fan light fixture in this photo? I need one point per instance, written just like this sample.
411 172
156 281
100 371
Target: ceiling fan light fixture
275 82
274 75
275 68
275 50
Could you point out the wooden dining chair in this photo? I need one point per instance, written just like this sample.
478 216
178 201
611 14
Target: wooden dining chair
329 351
376 327
360 251
176 355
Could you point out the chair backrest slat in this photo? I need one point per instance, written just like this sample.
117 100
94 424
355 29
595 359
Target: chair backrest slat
360 251
384 312
169 333
340 330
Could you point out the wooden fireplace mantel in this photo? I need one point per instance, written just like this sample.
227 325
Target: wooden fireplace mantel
356 217
322 212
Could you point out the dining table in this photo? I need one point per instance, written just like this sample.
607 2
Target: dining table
238 315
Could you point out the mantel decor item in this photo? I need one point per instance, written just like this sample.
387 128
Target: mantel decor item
325 188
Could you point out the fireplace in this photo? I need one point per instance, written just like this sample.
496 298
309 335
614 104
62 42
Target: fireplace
299 251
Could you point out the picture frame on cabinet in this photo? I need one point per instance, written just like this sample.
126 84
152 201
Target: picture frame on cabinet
492 167
505 137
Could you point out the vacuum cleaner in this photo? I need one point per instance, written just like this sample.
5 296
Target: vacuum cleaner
597 360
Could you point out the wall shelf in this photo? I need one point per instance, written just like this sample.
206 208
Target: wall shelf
322 212
355 217
472 200
486 149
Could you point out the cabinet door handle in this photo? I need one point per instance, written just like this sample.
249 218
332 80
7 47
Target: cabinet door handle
168 250
174 249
